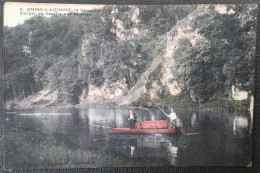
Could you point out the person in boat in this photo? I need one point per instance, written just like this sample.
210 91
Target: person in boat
173 118
132 118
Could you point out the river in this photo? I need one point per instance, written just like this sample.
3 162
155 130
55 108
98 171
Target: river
73 137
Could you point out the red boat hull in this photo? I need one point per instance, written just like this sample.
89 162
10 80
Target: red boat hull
168 130
159 126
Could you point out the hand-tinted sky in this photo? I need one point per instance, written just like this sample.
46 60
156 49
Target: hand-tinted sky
12 10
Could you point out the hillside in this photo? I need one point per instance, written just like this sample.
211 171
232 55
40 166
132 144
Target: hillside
124 54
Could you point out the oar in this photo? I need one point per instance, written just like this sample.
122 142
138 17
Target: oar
187 133
181 130
166 115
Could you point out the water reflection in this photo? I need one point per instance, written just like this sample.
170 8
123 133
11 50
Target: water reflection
173 151
193 120
132 150
239 125
145 146
87 129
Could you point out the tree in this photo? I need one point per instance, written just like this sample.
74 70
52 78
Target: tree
197 72
224 57
160 19
232 38
18 71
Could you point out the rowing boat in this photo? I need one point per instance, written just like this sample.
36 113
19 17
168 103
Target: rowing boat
157 127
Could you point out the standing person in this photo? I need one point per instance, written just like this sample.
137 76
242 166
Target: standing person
132 118
135 120
173 118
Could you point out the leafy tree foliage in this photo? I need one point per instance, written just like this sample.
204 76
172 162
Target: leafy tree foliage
223 58
21 84
160 19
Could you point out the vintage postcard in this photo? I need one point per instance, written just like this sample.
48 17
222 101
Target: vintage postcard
128 85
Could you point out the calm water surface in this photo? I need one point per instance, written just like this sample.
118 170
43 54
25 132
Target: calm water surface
75 137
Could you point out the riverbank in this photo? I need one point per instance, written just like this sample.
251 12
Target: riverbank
48 99
182 102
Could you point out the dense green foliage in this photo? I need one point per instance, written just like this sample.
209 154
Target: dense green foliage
67 54
224 56
160 19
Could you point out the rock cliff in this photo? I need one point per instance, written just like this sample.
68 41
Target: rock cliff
183 29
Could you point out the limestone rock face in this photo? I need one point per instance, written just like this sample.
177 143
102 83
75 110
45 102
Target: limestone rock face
238 94
118 25
118 92
41 99
184 29
107 92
